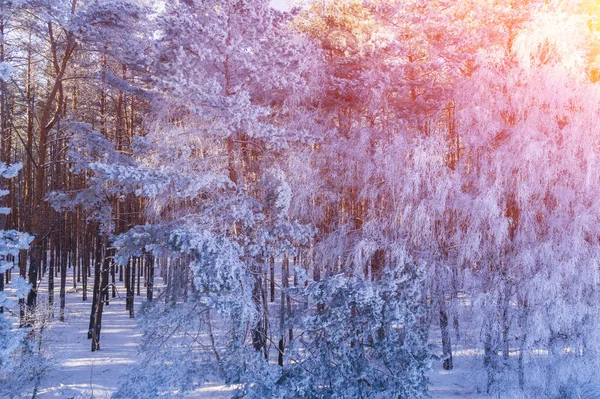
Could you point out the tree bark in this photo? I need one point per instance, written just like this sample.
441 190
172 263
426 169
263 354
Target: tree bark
108 254
446 339
63 277
150 278
97 276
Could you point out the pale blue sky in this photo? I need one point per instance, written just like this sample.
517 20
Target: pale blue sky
279 4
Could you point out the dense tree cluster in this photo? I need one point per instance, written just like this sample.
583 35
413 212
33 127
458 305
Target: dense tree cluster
332 199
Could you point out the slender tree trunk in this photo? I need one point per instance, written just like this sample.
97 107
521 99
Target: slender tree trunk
446 339
85 264
96 298
34 264
139 274
272 280
108 254
284 283
51 267
63 278
505 329
522 343
150 278
23 274
73 245
127 285
490 355
132 288
113 279
259 333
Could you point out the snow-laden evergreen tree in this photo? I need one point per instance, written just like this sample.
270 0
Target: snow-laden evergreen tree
530 180
220 208
12 337
11 242
387 171
212 171
369 337
359 339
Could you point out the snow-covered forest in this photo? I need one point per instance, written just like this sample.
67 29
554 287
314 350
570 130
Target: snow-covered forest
349 199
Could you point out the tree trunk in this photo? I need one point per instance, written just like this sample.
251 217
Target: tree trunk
23 274
272 275
63 277
108 254
446 339
259 333
284 284
150 278
490 355
131 290
51 267
522 343
96 298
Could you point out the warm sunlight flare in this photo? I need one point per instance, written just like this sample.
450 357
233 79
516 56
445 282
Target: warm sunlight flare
347 199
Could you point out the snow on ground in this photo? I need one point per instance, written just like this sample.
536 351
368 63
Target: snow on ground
77 373
456 383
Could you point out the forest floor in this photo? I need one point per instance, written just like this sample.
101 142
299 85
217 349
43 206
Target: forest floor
456 383
75 372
